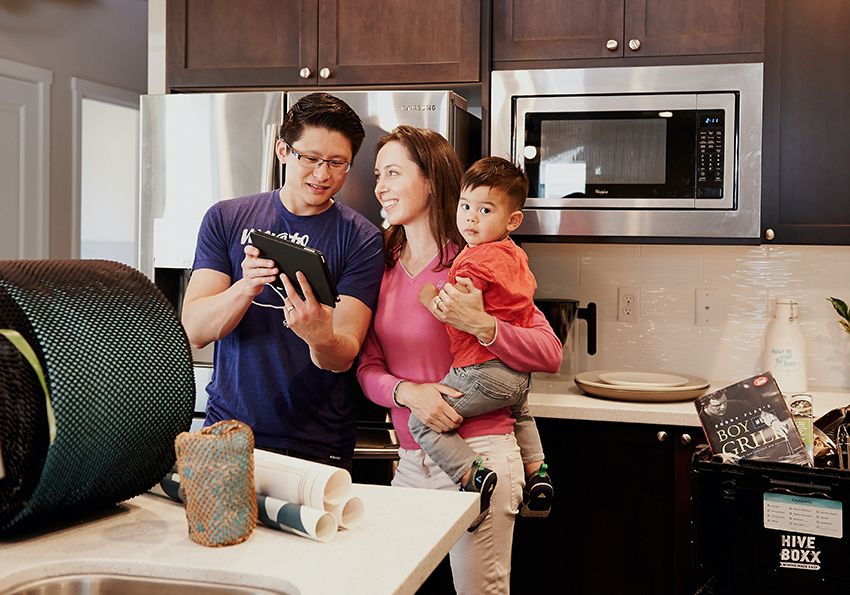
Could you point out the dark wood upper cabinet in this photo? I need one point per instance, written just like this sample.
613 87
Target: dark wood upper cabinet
557 30
285 43
252 43
806 181
399 42
554 29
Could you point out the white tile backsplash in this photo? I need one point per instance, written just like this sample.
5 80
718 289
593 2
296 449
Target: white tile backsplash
665 336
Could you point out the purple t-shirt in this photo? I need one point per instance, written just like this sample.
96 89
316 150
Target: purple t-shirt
263 374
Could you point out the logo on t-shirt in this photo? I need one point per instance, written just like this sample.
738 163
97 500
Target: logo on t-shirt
295 238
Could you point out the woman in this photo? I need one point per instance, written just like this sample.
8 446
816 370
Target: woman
406 352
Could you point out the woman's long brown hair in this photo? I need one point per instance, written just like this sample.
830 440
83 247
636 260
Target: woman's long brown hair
441 166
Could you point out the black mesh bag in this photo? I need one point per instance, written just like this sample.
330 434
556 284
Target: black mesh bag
119 374
24 441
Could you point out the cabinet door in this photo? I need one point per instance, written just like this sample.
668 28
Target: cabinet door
250 43
806 122
556 30
399 42
620 520
679 27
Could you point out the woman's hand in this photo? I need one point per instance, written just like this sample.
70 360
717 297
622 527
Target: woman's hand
462 306
425 401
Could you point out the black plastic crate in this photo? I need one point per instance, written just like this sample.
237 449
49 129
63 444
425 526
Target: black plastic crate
768 528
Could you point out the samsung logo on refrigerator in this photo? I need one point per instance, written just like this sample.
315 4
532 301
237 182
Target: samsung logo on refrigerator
419 108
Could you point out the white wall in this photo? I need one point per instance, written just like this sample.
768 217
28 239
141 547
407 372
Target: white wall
103 41
665 336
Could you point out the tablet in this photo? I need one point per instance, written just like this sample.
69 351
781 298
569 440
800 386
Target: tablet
290 257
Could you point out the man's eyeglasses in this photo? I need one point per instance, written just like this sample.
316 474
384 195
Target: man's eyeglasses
313 162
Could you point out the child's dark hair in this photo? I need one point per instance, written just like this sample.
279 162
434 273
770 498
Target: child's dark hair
500 174
323 110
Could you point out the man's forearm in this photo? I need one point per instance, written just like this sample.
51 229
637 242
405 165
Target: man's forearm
210 318
337 355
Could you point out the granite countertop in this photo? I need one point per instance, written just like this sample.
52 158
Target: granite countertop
405 533
562 399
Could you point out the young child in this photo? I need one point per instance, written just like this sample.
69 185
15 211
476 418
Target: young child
493 192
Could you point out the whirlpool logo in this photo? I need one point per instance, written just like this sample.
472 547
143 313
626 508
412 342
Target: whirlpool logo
419 107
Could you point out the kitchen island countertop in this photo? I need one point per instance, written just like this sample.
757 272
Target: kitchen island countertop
405 533
562 399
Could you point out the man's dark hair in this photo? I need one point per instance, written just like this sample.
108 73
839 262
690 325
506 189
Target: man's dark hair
323 110
500 174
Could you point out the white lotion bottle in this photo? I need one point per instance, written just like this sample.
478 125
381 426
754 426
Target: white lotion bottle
785 348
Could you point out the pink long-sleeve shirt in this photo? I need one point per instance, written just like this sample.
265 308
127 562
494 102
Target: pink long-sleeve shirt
405 342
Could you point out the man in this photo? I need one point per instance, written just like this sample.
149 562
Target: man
278 358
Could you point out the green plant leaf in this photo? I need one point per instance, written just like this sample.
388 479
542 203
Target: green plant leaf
841 309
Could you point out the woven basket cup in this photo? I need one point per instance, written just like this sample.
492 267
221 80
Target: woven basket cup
216 466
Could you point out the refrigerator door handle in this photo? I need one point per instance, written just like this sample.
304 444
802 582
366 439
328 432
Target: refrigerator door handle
268 181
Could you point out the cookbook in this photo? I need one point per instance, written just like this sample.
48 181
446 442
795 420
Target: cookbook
751 420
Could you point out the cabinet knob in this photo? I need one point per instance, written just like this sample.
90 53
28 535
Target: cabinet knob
634 44
768 234
325 73
305 73
662 436
686 439
612 44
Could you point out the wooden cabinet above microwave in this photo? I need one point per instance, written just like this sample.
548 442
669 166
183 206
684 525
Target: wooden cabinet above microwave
559 30
301 43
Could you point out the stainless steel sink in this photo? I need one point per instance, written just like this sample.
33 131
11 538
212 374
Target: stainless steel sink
110 584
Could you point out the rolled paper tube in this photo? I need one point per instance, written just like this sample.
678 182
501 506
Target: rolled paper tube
294 518
217 477
299 481
348 513
277 514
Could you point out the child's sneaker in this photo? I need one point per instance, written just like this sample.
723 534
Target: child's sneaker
482 480
537 494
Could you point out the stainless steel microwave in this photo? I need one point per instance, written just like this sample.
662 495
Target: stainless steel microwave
667 152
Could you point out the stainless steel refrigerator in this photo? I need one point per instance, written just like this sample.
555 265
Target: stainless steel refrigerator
197 149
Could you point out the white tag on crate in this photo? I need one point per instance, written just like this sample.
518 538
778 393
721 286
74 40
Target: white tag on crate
803 514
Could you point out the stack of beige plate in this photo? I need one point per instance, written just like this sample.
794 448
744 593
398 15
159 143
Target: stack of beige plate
639 385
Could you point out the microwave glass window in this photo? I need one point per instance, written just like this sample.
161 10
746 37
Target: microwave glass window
575 153
604 155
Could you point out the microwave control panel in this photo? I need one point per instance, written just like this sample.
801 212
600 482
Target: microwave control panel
710 145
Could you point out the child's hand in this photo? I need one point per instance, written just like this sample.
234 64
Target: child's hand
427 295
463 285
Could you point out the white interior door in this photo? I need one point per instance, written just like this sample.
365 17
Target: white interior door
109 187
105 169
23 169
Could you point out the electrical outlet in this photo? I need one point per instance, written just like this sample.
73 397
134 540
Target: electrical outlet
707 307
628 304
